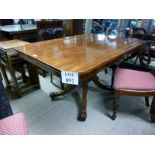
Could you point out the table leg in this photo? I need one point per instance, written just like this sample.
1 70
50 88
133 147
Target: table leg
152 110
99 84
83 114
33 75
68 89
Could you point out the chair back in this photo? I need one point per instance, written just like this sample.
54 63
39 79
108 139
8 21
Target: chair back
49 29
9 57
3 57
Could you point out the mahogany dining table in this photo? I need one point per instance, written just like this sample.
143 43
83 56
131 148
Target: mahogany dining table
84 54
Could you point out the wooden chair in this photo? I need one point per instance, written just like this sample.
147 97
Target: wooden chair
139 33
147 53
134 83
50 30
10 62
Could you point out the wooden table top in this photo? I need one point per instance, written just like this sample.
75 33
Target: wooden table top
17 28
12 43
82 54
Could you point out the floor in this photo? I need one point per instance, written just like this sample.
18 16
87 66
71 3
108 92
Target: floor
59 117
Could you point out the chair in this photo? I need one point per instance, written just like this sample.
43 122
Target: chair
10 62
134 83
147 53
139 33
50 30
14 125
152 49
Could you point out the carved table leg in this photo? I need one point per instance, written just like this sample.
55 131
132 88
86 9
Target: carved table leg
152 110
83 114
53 95
99 84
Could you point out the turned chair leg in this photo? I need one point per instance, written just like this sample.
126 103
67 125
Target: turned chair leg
115 108
152 111
113 72
106 71
147 101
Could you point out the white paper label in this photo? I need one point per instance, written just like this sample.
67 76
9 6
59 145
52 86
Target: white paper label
70 77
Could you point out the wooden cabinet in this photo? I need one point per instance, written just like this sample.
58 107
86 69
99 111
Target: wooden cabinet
73 27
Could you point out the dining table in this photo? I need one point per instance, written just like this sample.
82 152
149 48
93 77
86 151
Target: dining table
79 59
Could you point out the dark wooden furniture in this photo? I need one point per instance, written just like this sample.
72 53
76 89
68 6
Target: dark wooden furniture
139 33
78 26
85 54
10 62
2 38
6 22
26 32
44 25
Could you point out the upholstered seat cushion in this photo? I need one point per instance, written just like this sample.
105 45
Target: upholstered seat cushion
133 80
13 125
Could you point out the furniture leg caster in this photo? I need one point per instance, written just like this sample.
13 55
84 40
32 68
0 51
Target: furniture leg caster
113 117
53 95
82 116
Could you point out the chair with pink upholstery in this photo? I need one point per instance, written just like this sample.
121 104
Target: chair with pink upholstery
13 125
134 83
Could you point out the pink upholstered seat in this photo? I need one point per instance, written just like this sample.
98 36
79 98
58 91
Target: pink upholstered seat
13 125
133 80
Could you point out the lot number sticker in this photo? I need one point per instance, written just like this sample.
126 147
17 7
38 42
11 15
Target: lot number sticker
70 77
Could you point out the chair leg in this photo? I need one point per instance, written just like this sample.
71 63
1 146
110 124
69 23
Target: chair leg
152 110
147 101
14 80
106 70
113 72
23 72
115 108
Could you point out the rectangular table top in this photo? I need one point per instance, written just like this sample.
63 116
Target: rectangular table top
81 53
